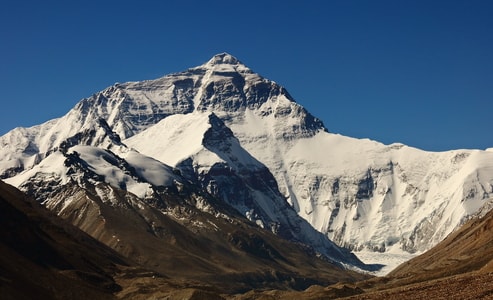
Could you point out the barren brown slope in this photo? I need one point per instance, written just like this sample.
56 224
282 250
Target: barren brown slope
42 257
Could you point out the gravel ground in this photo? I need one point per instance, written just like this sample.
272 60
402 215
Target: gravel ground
467 286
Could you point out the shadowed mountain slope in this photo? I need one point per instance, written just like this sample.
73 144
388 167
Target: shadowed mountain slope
42 257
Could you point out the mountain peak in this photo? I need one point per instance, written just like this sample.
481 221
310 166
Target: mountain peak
225 63
223 58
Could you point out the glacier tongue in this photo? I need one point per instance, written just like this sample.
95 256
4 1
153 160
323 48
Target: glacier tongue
360 193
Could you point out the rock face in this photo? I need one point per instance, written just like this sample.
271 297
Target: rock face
245 141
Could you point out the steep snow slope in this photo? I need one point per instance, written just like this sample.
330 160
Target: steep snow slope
361 193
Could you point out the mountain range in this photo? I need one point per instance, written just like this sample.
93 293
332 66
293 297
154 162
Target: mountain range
218 146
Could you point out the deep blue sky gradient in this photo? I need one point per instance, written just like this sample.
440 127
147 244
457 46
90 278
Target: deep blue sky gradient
416 72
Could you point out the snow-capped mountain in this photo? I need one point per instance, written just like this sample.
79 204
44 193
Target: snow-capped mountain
246 141
361 193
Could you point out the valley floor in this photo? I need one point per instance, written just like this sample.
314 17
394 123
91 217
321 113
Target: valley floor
472 285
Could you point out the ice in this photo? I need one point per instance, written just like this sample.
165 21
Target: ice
389 260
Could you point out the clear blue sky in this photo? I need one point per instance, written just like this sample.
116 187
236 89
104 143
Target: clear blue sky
416 72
